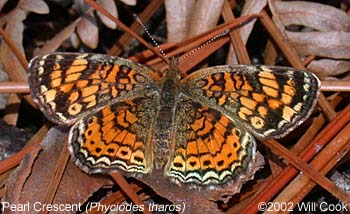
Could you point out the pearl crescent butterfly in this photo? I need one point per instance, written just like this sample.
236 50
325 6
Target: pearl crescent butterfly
199 129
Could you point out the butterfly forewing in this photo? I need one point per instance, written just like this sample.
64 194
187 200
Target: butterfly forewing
68 86
269 101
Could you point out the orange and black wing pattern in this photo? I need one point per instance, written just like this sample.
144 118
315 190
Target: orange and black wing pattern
67 86
210 149
115 138
268 101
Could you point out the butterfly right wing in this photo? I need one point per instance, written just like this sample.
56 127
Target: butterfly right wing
68 86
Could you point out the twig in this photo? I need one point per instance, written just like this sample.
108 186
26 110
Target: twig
235 36
32 144
14 87
315 175
124 27
145 15
56 178
128 190
290 172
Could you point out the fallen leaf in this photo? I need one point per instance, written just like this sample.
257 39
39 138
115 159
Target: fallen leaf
333 44
30 182
250 7
205 16
178 18
314 15
328 67
57 40
12 139
3 78
110 6
88 31
16 181
2 3
129 2
75 41
14 30
36 6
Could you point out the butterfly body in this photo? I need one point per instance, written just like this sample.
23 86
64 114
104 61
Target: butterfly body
162 139
198 130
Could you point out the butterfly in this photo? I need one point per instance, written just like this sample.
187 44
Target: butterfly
198 130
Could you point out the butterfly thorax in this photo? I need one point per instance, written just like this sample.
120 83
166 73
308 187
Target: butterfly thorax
162 139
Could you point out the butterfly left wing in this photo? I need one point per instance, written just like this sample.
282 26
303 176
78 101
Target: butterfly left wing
270 101
209 149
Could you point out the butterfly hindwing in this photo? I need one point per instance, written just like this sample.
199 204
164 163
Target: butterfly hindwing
115 138
209 148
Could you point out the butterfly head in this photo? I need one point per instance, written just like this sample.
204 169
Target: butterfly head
173 73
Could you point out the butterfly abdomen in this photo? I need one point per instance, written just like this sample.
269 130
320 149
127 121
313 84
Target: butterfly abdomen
162 137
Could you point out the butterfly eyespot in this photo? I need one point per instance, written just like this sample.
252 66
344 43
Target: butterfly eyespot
237 132
193 163
124 153
110 150
178 165
220 163
207 163
137 158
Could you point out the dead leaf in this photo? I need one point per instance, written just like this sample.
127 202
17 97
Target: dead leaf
12 139
250 7
56 41
2 3
110 6
129 2
205 16
333 44
16 181
88 31
3 78
36 6
178 18
75 41
14 30
30 181
314 15
328 67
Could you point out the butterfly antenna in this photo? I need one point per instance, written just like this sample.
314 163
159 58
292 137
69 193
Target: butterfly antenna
137 18
224 33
